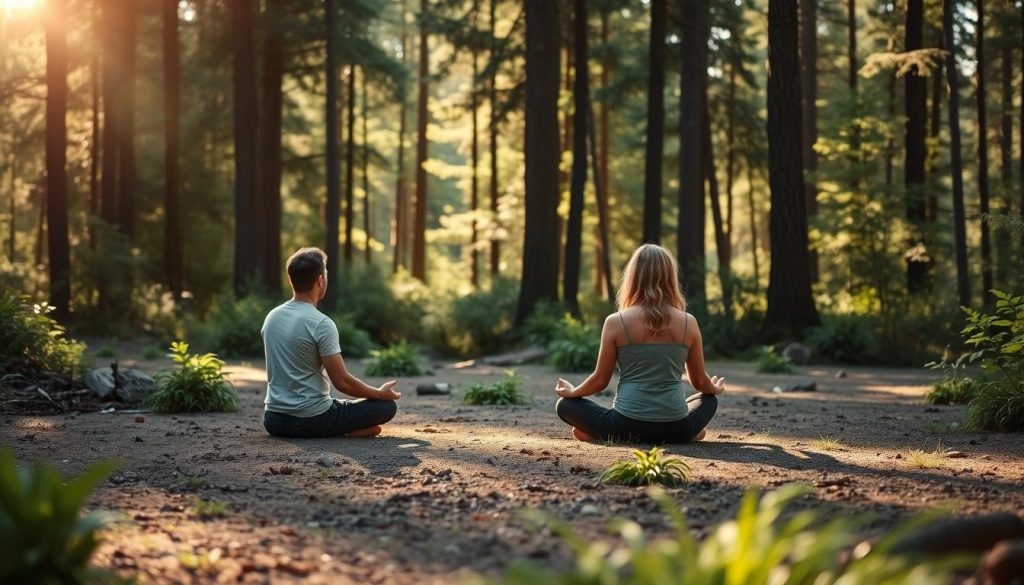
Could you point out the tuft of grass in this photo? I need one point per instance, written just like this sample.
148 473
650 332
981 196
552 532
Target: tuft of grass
925 459
828 444
648 468
209 508
958 391
506 391
769 362
998 406
397 360
198 385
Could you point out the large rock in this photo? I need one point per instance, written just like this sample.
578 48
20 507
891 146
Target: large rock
797 353
130 386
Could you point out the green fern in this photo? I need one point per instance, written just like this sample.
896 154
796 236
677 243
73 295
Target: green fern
648 468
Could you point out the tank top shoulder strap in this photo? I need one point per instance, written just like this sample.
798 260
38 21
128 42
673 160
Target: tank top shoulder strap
624 328
686 324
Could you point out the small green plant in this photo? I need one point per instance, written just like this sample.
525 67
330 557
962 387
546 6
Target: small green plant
848 339
769 362
544 323
44 537
106 351
574 346
925 459
355 342
998 339
198 385
829 444
33 342
648 468
481 322
397 360
954 388
209 508
506 391
998 407
234 325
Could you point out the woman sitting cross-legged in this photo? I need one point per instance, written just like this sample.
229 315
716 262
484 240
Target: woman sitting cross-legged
651 340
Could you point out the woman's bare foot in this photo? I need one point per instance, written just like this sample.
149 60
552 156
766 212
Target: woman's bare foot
700 435
367 432
581 436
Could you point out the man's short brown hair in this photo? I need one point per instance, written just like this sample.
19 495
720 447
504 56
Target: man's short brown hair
305 266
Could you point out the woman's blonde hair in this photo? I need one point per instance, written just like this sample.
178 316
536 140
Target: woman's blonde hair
651 282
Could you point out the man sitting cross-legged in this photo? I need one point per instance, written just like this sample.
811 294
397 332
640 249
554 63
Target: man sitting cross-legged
301 343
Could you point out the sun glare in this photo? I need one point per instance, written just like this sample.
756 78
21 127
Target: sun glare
12 6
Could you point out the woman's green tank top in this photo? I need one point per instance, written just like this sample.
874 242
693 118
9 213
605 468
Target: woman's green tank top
650 380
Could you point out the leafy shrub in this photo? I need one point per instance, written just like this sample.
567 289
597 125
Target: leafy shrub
648 468
234 325
32 341
848 339
506 391
544 323
998 339
354 341
769 362
574 346
998 406
953 388
388 311
399 359
43 537
481 322
755 548
199 385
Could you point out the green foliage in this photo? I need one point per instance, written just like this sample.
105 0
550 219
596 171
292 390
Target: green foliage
209 508
769 362
507 391
388 310
399 359
544 323
233 326
998 340
648 468
482 321
152 352
354 341
574 346
998 406
953 388
32 341
44 538
198 385
848 339
755 548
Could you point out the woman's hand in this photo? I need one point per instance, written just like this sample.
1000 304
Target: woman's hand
718 384
387 391
564 389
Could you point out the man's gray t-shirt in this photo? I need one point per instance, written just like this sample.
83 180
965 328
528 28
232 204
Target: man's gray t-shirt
295 336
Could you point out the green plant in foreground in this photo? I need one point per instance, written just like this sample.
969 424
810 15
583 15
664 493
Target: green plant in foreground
998 406
506 391
648 468
954 388
769 362
31 340
999 342
43 536
209 508
574 346
198 385
397 360
755 548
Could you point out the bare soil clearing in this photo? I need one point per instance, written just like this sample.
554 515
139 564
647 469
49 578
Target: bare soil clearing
440 491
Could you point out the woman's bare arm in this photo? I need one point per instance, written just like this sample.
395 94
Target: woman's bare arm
695 372
602 375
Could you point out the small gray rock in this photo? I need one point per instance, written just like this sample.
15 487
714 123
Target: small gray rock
325 460
131 385
589 510
797 353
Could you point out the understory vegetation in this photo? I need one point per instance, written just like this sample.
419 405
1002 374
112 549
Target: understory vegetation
199 384
33 342
505 392
648 468
400 359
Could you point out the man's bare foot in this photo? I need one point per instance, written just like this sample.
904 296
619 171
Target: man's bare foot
700 435
581 436
367 432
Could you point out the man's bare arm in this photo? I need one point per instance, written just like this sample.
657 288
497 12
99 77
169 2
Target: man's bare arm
345 382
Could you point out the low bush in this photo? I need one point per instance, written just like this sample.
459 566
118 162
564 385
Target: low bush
32 341
44 537
848 339
998 339
954 388
481 322
998 406
198 385
233 326
355 342
399 359
574 346
769 362
648 468
544 323
389 310
507 391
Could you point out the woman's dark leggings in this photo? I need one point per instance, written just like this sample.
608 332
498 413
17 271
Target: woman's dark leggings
342 418
608 425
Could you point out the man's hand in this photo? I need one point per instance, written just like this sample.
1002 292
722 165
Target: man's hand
387 392
564 389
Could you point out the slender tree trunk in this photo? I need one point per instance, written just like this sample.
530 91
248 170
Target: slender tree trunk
270 151
56 158
350 163
245 119
567 144
790 304
581 100
721 236
126 136
1020 182
541 146
173 242
1004 244
367 200
419 267
401 196
492 86
753 227
112 11
730 157
655 123
983 191
890 144
94 143
809 86
932 212
851 45
602 170
690 227
13 227
332 210
956 162
599 194
914 162
474 180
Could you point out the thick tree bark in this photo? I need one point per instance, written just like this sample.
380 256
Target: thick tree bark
365 151
332 211
581 101
983 190
56 158
809 88
174 271
350 163
914 161
401 196
956 162
655 123
419 267
690 226
790 304
540 276
271 117
474 180
247 262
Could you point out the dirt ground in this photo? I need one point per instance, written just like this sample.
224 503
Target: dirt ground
440 492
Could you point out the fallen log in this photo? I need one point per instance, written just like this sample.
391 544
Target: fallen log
954 535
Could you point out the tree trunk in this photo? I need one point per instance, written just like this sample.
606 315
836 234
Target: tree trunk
493 145
332 211
401 196
367 201
956 162
809 87
270 151
599 194
890 144
13 227
581 103
851 45
110 40
602 171
1004 246
173 241
730 156
932 212
914 162
419 267
690 226
474 180
790 304
245 119
564 176
983 192
94 142
126 134
350 163
56 158
655 123
721 236
753 227
540 276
